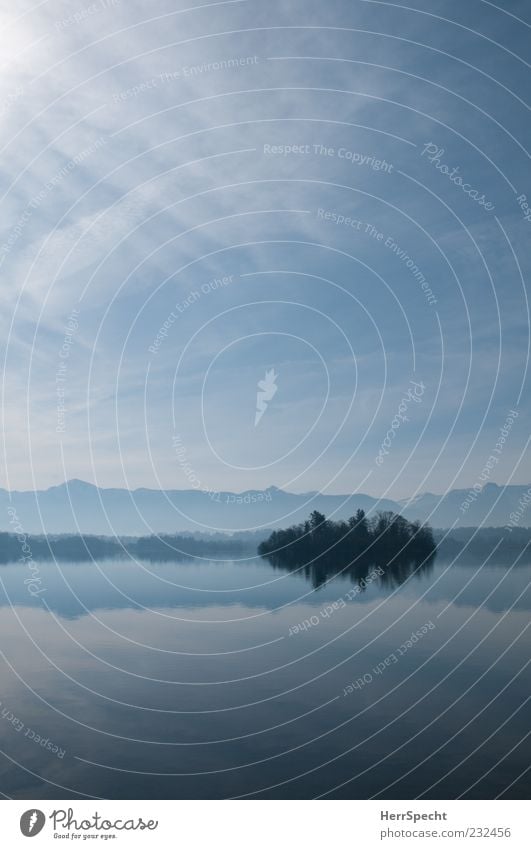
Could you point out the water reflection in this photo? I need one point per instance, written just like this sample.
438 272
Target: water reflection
191 680
390 574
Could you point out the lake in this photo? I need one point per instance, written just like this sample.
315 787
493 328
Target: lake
205 679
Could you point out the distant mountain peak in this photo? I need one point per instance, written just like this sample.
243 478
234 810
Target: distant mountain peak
77 483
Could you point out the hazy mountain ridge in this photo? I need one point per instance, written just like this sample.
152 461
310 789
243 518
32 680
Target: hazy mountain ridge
80 507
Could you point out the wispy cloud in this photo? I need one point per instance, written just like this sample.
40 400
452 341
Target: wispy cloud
147 152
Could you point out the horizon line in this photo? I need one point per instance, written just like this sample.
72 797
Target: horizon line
210 491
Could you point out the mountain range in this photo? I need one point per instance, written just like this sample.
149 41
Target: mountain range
80 507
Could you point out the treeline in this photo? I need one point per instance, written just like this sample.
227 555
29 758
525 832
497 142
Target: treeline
76 547
167 547
79 547
323 547
486 544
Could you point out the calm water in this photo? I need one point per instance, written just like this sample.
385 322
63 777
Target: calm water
182 680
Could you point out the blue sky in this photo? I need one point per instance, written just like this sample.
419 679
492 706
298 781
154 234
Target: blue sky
244 187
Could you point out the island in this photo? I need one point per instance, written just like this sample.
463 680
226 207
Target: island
323 548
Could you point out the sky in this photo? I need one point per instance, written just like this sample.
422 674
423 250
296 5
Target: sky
247 244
